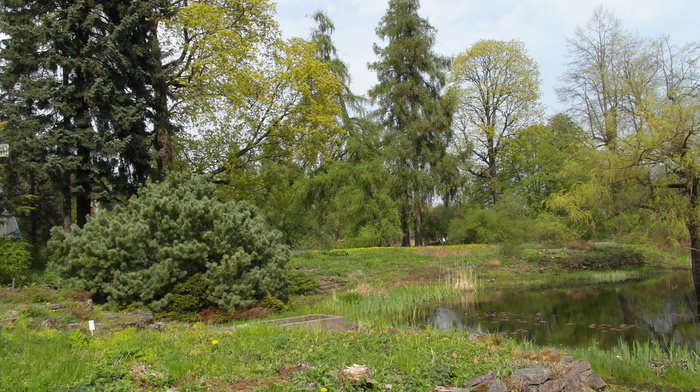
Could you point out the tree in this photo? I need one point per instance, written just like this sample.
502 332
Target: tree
604 59
77 94
169 232
543 159
498 89
669 147
411 107
248 96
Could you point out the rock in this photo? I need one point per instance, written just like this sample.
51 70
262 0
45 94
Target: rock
448 389
55 306
535 375
49 323
355 372
157 326
595 381
558 385
496 385
480 379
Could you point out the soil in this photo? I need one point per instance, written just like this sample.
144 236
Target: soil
608 259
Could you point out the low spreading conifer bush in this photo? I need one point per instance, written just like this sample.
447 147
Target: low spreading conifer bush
145 252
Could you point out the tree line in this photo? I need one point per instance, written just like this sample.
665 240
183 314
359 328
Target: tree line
99 97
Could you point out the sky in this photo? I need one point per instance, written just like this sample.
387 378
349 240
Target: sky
542 25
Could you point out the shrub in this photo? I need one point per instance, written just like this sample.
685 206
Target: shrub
274 304
145 253
15 259
302 282
505 221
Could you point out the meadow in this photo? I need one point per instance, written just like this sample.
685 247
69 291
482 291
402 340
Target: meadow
45 344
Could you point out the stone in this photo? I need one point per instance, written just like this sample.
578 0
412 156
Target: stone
496 385
558 385
55 306
480 379
594 381
534 375
49 323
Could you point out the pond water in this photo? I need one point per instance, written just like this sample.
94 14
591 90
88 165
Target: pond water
664 309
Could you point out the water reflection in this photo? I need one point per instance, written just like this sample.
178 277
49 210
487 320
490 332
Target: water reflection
666 309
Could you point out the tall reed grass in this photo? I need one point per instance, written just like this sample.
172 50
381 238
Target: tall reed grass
646 364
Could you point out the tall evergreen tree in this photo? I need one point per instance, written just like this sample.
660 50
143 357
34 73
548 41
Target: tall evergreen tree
415 114
78 91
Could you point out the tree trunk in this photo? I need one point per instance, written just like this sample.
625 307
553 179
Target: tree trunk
163 130
693 226
406 239
417 240
493 171
67 201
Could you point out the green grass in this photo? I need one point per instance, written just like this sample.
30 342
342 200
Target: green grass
265 357
646 365
383 290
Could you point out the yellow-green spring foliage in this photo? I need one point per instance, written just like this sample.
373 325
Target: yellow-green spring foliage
143 253
15 257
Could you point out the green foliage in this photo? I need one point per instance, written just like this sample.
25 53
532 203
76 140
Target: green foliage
498 88
505 221
190 296
412 108
274 304
15 260
166 234
302 282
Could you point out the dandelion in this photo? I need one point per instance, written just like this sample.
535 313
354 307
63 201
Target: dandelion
215 342
324 389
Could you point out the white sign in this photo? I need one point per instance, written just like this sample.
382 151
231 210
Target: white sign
91 326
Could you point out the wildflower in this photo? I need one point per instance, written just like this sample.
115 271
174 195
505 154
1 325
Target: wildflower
215 342
324 389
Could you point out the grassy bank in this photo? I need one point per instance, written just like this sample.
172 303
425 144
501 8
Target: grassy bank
379 289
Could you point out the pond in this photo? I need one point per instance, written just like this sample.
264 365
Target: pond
664 309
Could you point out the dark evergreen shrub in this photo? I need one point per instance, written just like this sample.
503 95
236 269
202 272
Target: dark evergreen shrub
143 253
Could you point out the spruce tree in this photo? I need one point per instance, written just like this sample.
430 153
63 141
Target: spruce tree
415 114
79 93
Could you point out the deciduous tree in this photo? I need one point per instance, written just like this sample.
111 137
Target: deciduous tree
498 88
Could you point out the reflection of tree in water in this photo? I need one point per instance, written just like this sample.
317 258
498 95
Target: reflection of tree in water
667 310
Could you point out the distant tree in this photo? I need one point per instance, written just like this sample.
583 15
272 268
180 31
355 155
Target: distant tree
411 107
498 88
604 59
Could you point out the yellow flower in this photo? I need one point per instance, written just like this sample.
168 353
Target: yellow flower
324 389
214 341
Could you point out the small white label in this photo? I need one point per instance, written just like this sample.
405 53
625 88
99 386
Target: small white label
91 326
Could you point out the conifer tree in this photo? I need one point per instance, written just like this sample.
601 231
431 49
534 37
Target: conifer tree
415 114
78 91
169 232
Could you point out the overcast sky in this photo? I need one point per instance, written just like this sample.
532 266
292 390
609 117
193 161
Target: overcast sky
543 25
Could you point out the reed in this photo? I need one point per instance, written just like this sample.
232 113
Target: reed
646 364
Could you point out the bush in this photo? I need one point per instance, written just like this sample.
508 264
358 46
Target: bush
302 282
149 252
15 259
505 221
